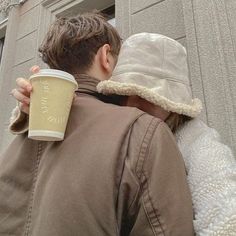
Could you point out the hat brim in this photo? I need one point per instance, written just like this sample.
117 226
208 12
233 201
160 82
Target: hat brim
128 89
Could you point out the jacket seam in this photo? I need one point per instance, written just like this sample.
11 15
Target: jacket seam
150 210
136 194
154 220
144 146
149 221
139 188
144 138
35 171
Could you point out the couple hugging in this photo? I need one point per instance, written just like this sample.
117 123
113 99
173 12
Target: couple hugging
135 160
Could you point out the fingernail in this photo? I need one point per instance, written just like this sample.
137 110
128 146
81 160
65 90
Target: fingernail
32 68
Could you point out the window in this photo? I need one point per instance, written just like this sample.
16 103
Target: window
3 27
110 13
107 7
1 48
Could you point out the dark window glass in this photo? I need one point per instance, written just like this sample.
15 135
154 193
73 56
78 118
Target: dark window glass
109 12
1 47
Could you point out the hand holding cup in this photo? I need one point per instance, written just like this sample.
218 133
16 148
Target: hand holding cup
50 104
23 90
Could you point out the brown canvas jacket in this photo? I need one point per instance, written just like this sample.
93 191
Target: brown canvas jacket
117 172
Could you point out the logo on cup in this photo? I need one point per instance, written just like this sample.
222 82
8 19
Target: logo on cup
52 118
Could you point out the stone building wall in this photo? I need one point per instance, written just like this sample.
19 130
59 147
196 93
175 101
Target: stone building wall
208 30
3 4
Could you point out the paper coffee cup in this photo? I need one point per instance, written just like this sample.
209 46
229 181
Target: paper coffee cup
50 104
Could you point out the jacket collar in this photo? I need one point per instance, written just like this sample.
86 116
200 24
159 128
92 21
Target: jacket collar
88 86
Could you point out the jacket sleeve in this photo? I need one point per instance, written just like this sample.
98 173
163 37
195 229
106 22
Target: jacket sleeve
161 204
19 121
212 179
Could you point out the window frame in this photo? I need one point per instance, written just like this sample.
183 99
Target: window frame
3 28
2 40
109 12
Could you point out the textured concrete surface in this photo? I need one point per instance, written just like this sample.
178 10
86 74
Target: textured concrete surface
165 17
6 77
140 5
26 48
3 4
123 18
28 23
210 34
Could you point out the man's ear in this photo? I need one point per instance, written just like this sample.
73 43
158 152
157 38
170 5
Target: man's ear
105 58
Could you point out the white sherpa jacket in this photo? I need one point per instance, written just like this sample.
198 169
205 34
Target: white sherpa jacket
211 171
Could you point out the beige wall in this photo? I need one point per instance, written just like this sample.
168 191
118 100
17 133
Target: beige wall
211 30
18 55
206 28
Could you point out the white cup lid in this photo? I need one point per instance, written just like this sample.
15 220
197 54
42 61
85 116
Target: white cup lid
55 73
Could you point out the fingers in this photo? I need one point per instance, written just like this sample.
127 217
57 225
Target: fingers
22 93
24 108
24 85
35 69
20 97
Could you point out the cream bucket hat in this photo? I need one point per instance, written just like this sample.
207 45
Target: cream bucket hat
154 67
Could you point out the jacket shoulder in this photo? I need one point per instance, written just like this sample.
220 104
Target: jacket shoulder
147 133
87 109
155 172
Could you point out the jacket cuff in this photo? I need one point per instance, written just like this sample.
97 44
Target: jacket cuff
19 121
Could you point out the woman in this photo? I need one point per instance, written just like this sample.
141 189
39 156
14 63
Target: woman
152 72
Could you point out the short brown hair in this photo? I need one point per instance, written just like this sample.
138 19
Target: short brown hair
71 43
175 120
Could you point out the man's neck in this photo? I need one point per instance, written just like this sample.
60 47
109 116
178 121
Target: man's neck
95 73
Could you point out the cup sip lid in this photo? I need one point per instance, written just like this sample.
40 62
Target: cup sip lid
55 73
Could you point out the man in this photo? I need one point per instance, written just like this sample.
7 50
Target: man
118 170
